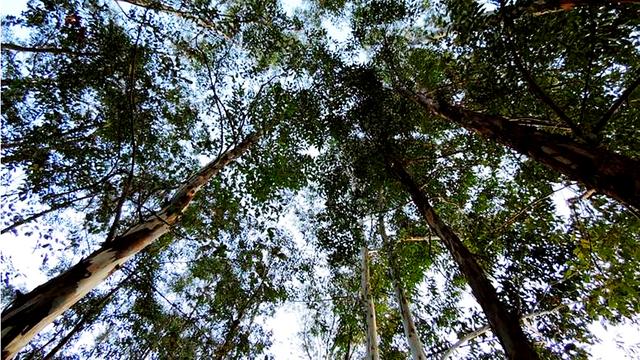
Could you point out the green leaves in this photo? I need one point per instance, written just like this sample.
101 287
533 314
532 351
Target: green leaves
106 112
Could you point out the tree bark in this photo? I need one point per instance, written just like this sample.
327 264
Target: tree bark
369 308
29 314
503 323
615 175
410 331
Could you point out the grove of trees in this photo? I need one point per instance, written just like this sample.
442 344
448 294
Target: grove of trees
396 168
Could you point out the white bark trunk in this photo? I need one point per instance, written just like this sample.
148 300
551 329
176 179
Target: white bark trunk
369 308
410 331
32 312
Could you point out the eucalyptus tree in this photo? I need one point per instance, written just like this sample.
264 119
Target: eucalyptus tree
109 110
129 119
464 195
408 323
548 88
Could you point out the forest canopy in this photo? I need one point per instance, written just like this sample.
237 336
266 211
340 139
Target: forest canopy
414 179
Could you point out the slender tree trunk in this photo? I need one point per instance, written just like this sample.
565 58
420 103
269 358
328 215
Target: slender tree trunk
29 314
227 345
410 331
503 323
369 308
608 173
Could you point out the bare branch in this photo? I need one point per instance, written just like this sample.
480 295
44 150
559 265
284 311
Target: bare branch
44 212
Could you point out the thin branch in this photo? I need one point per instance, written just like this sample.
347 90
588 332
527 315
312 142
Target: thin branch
533 85
49 50
474 334
616 105
529 206
43 212
157 5
126 187
553 6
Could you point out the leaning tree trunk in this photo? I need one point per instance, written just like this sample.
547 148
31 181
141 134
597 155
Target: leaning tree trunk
410 331
30 313
606 172
369 308
504 324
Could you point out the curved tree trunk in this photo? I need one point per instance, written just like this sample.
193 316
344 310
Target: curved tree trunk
608 173
30 313
503 323
369 308
410 331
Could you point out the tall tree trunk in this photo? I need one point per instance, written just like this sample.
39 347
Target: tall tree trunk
410 331
608 173
30 313
369 308
504 324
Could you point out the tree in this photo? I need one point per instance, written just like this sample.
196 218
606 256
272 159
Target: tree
35 310
369 309
408 324
108 109
503 323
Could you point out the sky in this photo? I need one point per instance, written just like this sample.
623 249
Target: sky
23 253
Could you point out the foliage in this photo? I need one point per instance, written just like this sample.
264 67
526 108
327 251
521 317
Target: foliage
108 107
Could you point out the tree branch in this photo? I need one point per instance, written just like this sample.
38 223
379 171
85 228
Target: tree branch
50 50
533 85
44 212
157 5
616 105
474 334
551 6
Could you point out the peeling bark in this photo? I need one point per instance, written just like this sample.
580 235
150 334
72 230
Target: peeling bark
29 314
370 310
612 174
503 323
